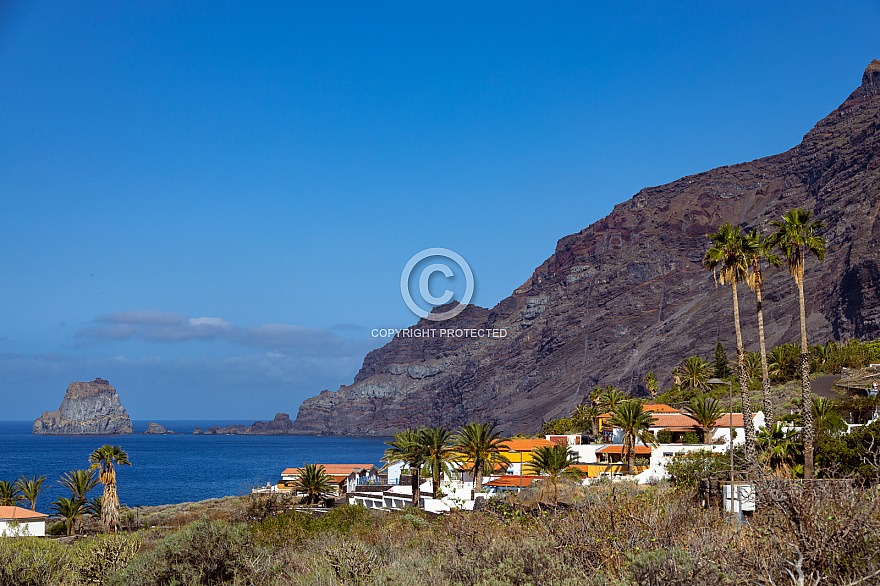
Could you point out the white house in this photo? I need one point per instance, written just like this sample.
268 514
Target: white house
19 522
346 477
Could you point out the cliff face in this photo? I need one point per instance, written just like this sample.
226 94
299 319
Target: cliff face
628 295
87 408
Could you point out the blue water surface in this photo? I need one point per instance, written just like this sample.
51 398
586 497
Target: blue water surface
170 469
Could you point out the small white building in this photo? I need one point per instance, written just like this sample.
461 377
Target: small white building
19 522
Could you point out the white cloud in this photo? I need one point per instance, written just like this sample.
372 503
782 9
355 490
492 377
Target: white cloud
157 326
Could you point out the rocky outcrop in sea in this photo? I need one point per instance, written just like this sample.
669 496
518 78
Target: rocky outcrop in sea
281 425
156 429
88 408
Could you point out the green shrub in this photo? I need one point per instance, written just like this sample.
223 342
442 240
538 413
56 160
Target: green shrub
206 552
671 567
59 528
687 469
352 562
664 436
105 555
32 561
691 437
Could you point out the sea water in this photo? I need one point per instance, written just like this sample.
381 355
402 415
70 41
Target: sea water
168 469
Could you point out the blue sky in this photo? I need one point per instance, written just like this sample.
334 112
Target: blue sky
211 206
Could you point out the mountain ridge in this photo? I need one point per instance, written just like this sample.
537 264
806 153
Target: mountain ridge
628 295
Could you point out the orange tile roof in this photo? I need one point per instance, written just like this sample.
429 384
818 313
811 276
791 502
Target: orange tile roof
724 420
651 408
334 469
525 445
19 513
618 449
516 481
674 420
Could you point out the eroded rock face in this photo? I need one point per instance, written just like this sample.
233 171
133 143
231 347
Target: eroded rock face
628 295
87 408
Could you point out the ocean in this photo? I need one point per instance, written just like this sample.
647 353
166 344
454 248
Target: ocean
169 469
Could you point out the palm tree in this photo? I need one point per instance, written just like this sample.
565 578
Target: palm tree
482 447
651 382
10 494
609 398
314 482
779 449
782 361
554 462
438 454
104 458
31 489
635 422
759 251
796 238
79 483
696 373
729 255
70 510
92 507
705 412
406 447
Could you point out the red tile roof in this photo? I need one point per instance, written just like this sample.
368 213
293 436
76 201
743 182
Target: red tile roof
19 513
674 420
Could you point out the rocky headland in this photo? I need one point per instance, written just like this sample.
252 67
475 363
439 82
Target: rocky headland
281 425
628 295
88 408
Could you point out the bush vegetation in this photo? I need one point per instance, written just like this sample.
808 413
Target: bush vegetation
607 534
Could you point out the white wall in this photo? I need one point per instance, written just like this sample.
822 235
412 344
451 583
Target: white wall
32 528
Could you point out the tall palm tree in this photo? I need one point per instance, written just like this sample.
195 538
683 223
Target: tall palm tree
406 447
70 510
759 251
436 442
705 412
796 238
554 462
314 482
481 447
10 494
729 256
104 458
635 422
696 373
31 489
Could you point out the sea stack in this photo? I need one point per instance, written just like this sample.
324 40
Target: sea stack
91 408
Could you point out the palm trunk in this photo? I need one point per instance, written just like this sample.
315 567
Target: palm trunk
416 495
748 424
478 476
806 391
765 376
435 481
631 460
110 508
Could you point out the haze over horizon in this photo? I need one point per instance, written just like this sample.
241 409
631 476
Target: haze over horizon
211 206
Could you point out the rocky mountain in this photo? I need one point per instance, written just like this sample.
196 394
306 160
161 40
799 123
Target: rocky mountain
281 425
87 408
628 294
